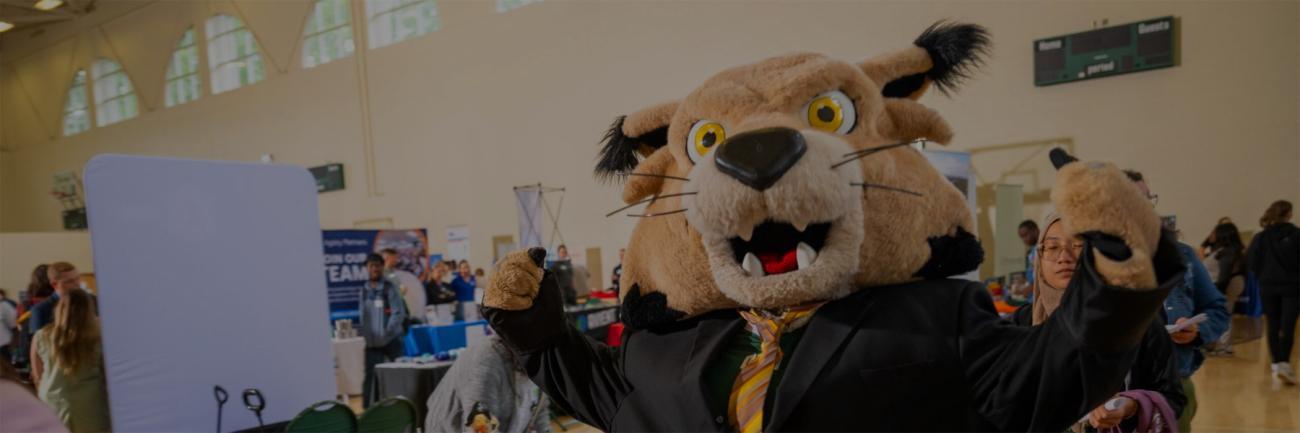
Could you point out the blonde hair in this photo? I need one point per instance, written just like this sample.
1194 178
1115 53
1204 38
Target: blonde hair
57 268
74 334
1276 213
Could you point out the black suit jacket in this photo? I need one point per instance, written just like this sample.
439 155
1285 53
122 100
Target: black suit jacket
922 356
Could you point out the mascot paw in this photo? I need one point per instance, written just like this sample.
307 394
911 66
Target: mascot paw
516 280
1098 201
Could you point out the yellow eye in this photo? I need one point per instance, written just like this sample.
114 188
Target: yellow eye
832 111
705 136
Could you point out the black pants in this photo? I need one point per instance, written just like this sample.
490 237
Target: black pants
374 356
1282 312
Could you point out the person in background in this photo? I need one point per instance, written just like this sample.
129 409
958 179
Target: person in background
38 289
408 284
1225 260
8 326
63 277
68 365
562 267
436 291
1274 257
1207 245
464 284
618 272
1154 370
487 391
1028 232
1197 295
382 320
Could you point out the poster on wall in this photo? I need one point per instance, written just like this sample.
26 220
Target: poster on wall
345 262
458 242
956 167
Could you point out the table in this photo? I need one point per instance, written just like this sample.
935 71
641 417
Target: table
593 319
349 364
414 381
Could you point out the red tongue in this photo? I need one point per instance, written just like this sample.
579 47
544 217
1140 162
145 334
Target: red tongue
779 263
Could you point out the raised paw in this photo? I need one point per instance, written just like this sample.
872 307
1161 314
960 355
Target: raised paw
1097 200
516 280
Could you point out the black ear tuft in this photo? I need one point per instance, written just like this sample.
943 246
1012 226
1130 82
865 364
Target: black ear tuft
952 255
1060 157
642 312
620 153
955 49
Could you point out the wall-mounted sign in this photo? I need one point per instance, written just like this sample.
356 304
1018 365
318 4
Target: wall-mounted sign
329 177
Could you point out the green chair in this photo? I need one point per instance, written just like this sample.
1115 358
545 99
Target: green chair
324 417
390 415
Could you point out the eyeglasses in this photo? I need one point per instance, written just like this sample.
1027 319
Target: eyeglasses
1052 251
1155 199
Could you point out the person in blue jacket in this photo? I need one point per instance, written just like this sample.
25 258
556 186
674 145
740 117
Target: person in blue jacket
1197 295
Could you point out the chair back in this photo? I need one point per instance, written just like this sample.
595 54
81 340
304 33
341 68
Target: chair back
390 415
324 417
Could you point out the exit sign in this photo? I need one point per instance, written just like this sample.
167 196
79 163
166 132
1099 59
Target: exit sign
1115 50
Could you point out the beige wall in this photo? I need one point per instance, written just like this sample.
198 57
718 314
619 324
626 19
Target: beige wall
21 252
496 100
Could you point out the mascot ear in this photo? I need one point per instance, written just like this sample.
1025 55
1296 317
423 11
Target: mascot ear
944 55
633 137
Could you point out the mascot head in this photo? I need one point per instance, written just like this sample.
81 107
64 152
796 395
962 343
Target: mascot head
793 180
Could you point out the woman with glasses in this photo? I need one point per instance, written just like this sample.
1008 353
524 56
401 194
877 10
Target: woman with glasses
1154 370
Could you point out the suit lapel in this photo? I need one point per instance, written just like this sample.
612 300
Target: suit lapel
710 336
827 332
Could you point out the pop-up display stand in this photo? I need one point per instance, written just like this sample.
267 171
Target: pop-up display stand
210 274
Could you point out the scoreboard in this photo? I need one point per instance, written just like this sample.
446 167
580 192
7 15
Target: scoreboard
1114 50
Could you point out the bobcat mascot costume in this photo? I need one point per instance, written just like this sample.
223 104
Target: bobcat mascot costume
789 271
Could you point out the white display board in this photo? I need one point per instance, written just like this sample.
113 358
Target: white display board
210 273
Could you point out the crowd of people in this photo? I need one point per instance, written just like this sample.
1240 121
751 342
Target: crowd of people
53 332
54 335
1196 318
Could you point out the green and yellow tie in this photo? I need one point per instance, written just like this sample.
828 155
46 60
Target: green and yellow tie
750 390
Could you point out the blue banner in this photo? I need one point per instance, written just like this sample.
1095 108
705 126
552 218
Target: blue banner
345 262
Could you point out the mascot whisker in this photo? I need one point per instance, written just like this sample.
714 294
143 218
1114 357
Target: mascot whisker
790 269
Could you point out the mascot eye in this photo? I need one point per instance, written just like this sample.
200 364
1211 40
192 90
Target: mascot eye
832 111
705 136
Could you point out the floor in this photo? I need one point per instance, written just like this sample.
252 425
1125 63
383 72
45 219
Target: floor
1235 394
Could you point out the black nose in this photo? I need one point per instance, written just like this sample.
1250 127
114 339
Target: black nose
760 157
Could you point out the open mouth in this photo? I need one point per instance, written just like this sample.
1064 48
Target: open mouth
777 247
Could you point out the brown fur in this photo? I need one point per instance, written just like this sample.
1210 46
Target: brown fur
666 254
1124 212
514 284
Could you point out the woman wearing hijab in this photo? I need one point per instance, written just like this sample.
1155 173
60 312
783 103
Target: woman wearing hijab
1154 372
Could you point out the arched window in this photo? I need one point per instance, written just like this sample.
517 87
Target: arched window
509 5
233 58
328 34
114 97
76 112
183 82
393 21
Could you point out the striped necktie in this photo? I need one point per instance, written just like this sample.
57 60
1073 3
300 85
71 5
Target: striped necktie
745 405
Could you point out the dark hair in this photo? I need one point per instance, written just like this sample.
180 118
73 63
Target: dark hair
1226 235
1133 175
1276 213
1029 224
388 251
4 294
374 258
40 286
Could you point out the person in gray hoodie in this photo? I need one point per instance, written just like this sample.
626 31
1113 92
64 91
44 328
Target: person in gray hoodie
485 392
